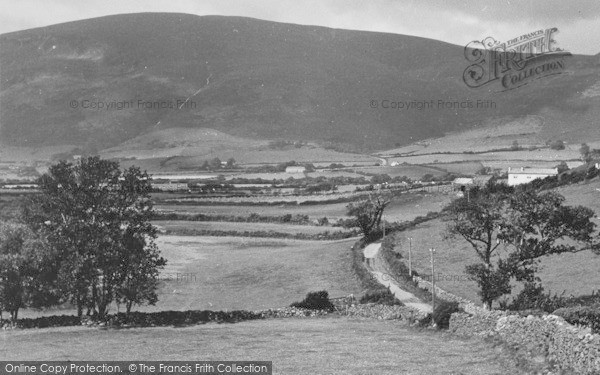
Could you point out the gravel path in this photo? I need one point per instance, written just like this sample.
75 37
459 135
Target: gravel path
378 268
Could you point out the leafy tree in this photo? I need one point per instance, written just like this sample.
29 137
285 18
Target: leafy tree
230 163
96 217
562 167
515 146
367 213
214 163
478 220
528 225
584 150
539 224
27 274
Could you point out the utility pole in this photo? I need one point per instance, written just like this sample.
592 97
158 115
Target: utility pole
410 256
432 251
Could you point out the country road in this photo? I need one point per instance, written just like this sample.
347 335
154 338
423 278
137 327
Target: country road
377 267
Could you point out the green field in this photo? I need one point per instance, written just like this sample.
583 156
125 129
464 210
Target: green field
176 226
331 345
336 210
584 194
414 172
575 274
235 273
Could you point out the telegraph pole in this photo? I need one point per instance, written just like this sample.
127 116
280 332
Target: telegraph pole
432 251
410 256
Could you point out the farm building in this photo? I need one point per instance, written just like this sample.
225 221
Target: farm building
462 183
295 169
523 175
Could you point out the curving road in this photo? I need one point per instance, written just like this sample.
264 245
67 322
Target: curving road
378 269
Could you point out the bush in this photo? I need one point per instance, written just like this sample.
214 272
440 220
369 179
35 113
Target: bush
382 297
443 311
557 145
315 301
588 316
532 297
425 321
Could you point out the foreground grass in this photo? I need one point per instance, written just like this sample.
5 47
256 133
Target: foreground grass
330 345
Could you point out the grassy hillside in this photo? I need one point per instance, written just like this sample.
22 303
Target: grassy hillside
559 273
258 79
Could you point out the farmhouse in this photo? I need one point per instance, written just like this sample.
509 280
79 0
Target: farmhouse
295 169
523 175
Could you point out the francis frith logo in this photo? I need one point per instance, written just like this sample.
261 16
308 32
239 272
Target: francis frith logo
516 62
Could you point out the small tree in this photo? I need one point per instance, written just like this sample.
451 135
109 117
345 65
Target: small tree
214 164
557 145
230 163
367 213
478 220
562 167
584 150
539 224
515 146
27 273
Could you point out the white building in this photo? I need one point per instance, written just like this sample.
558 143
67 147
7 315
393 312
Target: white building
518 176
295 169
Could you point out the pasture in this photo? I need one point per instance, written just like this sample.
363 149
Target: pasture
241 273
174 226
329 345
250 273
583 194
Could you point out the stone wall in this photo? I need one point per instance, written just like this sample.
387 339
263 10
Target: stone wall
568 347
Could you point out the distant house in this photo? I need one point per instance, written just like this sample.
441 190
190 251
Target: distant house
295 169
462 183
518 176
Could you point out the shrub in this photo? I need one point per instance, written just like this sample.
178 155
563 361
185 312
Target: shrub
588 316
382 297
443 311
532 297
557 145
425 321
315 301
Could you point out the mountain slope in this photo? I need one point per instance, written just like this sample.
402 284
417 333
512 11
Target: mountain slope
259 79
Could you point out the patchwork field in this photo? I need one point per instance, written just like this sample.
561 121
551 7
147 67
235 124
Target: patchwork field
296 346
405 207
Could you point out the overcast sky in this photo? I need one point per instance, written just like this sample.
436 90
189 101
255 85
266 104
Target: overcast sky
453 21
